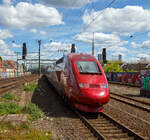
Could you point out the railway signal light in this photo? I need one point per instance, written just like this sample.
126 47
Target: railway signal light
73 49
104 56
24 51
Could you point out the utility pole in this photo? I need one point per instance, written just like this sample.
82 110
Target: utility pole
93 45
17 63
39 42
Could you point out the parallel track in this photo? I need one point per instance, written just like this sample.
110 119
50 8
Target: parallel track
130 101
126 84
107 128
15 82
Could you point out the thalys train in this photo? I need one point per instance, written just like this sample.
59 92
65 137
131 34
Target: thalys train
79 79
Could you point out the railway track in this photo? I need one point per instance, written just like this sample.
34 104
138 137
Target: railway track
145 106
107 128
103 127
15 82
126 84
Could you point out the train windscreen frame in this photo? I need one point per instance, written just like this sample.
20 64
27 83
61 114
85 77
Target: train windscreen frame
88 67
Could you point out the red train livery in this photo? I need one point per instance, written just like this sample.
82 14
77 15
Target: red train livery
80 79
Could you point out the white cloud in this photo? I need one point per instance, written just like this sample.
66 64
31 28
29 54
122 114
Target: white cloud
27 15
67 3
124 21
7 2
14 45
33 30
5 34
55 46
43 33
5 51
100 39
145 44
143 55
134 45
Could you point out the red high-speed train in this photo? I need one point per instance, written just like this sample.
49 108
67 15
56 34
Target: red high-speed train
79 78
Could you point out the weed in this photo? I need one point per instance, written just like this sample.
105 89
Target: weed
34 135
9 108
8 96
30 87
33 111
6 125
10 132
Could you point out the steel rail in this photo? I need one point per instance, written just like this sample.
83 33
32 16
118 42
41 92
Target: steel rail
126 84
126 97
13 84
99 135
131 104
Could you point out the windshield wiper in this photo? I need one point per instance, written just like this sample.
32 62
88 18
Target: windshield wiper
81 68
96 73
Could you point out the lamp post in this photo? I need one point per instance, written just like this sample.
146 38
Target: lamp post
39 42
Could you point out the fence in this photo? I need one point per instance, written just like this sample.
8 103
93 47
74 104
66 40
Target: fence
5 75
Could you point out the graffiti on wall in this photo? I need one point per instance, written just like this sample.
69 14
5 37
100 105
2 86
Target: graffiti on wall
133 78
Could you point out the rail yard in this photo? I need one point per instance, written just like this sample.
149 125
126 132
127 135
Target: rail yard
124 117
75 70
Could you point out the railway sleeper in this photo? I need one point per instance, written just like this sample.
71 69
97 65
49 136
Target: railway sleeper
114 131
108 128
118 135
104 125
129 138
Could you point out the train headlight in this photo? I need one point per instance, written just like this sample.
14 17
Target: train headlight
104 85
82 85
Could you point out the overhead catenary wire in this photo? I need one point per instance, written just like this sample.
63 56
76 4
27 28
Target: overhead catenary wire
98 15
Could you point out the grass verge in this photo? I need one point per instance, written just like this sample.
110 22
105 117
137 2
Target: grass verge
30 87
10 132
13 108
9 108
33 110
9 97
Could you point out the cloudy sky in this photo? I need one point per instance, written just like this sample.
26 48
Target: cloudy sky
122 28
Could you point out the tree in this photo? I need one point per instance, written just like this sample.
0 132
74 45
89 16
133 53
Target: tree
113 67
1 58
127 70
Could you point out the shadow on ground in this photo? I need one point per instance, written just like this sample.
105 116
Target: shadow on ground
47 99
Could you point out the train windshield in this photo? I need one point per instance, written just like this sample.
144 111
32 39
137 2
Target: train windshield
88 67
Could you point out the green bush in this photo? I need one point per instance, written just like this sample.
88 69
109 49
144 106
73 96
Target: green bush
30 87
33 111
113 67
9 108
8 96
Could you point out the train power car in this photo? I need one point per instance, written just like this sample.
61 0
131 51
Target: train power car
79 79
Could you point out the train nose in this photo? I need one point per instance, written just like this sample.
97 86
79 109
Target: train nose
97 96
